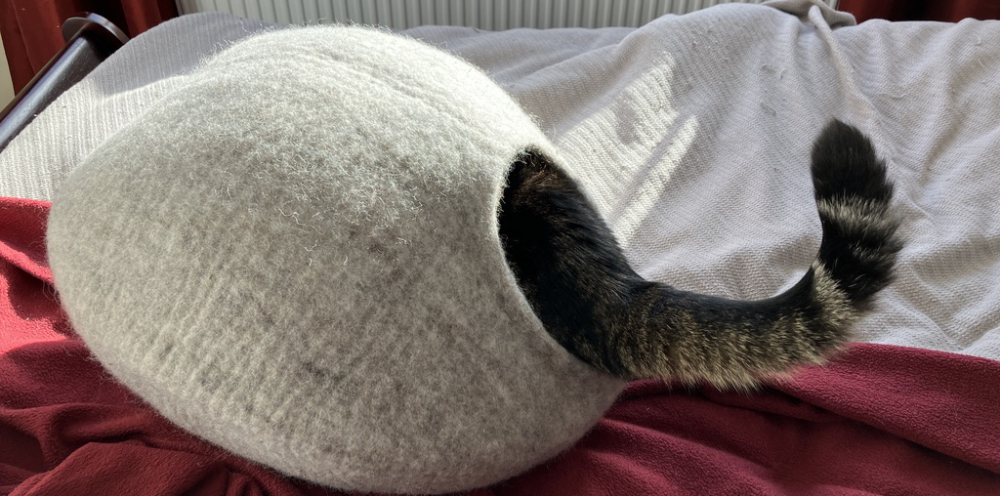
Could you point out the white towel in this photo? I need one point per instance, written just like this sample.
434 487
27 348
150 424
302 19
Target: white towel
692 135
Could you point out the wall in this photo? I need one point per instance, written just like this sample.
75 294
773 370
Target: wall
6 87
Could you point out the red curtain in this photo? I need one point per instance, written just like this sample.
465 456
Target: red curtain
921 10
32 29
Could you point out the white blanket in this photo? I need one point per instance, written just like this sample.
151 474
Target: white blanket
692 135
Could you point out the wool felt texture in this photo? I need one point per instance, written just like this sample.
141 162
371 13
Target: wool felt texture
691 134
296 256
880 420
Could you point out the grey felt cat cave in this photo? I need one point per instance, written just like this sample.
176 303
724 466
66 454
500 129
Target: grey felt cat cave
296 257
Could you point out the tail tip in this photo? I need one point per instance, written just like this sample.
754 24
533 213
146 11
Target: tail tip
845 164
853 193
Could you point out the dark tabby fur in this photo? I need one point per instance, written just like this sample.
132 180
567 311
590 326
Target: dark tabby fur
573 273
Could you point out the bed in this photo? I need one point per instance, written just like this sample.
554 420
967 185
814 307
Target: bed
692 136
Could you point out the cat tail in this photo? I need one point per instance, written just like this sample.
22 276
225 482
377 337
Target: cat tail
734 343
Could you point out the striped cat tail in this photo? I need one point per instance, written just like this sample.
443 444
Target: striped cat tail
852 195
735 343
583 290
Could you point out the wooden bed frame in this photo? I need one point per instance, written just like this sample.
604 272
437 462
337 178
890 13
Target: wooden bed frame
89 40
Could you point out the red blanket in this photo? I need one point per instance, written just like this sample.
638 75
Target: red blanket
880 420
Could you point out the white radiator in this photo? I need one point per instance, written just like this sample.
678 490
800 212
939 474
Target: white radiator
483 14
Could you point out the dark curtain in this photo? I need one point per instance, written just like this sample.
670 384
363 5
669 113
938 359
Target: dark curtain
32 29
921 10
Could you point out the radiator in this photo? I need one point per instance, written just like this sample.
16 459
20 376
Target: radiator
483 14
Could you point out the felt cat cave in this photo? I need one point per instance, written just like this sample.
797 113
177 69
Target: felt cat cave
297 256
